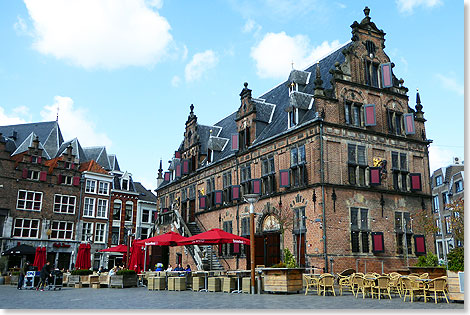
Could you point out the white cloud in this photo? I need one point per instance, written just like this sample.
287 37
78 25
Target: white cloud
451 84
407 6
175 81
100 33
200 63
275 53
185 53
75 122
20 26
13 118
439 157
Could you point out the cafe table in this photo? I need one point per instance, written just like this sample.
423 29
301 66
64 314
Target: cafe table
206 275
239 274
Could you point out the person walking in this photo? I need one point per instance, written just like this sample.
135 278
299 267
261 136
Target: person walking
45 274
22 275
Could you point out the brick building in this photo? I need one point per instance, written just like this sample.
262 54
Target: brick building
447 186
336 149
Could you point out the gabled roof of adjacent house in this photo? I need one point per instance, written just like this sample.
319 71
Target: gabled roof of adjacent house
92 166
99 155
144 193
77 150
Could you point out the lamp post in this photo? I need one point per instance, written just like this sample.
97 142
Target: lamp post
252 199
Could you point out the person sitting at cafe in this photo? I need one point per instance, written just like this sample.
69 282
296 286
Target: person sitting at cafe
159 267
188 268
179 268
169 268
112 272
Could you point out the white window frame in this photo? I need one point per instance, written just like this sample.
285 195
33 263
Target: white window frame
67 205
67 180
435 203
33 175
86 207
25 200
99 209
128 203
101 190
149 212
89 184
100 232
68 229
440 182
458 186
23 227
87 229
118 234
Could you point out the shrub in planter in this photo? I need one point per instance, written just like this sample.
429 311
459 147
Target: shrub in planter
125 272
430 260
455 259
15 273
289 259
81 272
279 265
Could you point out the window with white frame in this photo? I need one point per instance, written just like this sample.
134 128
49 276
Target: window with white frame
144 233
64 204
100 232
29 200
102 208
435 202
103 188
26 228
438 180
458 186
62 230
293 117
67 180
87 230
89 207
90 186
448 224
34 175
128 213
145 216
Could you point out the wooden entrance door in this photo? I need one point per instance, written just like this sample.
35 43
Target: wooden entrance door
300 249
192 210
267 250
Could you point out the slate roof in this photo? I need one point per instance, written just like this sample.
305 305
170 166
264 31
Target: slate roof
144 193
99 155
77 150
113 162
27 143
48 132
271 106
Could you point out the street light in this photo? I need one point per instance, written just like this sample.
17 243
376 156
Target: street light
252 199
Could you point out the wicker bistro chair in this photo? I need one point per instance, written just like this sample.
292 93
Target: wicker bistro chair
311 282
424 276
361 284
345 282
412 288
326 281
395 285
382 283
355 282
436 286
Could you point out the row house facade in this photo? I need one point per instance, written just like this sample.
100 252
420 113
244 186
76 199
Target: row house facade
447 187
56 194
337 155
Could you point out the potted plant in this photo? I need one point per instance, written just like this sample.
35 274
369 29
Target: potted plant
455 273
285 276
79 275
124 279
428 264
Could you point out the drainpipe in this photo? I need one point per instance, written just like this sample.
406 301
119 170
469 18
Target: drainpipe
322 181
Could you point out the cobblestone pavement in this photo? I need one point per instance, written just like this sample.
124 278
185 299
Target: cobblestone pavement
141 298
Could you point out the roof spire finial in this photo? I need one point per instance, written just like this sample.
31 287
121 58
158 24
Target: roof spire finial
292 64
57 116
318 81
366 11
419 107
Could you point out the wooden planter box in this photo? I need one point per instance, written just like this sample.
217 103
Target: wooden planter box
229 284
14 280
123 281
104 280
72 279
213 284
198 283
85 280
171 283
434 272
156 283
455 286
180 284
286 280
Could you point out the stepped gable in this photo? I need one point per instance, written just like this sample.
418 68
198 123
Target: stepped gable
77 150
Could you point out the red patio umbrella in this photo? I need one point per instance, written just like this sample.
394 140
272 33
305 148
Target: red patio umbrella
214 236
167 239
40 257
116 249
79 259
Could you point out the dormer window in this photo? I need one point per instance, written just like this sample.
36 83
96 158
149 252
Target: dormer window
210 156
125 184
244 138
293 117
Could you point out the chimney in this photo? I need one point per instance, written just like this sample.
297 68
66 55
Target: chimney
14 135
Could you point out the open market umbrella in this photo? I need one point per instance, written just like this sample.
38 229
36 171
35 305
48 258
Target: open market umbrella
168 239
213 237
116 249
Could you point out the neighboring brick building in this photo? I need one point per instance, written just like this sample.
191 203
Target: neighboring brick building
447 186
336 147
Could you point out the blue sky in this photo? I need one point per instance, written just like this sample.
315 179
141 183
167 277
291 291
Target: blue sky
124 72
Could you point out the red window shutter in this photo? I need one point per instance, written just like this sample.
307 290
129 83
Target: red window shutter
374 178
177 154
202 202
25 173
409 124
420 245
378 242
39 159
236 192
76 181
387 77
256 186
178 170
236 248
72 166
285 179
185 167
59 179
369 111
218 197
235 142
415 181
167 176
42 176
